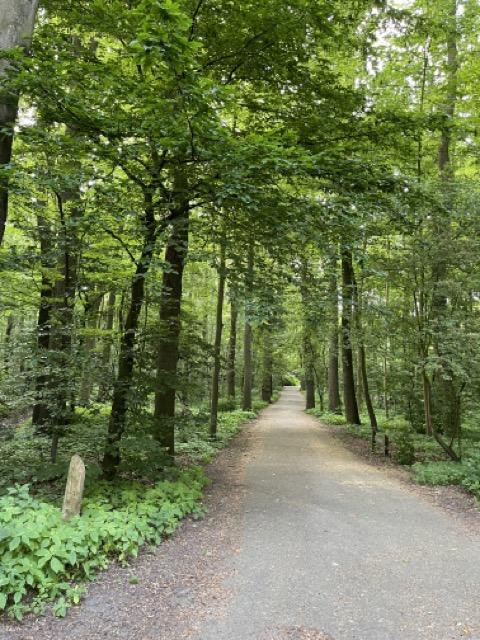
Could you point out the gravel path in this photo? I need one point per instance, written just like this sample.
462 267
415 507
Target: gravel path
303 541
334 546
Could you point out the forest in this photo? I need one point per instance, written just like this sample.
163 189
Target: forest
202 202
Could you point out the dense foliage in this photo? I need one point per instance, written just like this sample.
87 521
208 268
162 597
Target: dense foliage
200 202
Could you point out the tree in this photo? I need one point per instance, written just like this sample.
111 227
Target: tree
16 29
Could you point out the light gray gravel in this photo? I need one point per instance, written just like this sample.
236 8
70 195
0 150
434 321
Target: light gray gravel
334 545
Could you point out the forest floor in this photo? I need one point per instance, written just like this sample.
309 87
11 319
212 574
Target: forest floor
304 540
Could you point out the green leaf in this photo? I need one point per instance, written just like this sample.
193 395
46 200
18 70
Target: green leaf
56 565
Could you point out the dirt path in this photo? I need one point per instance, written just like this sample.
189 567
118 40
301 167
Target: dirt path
303 540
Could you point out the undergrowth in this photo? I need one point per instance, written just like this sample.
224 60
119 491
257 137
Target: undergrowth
42 556
45 560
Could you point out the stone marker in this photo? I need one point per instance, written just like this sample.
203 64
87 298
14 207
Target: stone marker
72 502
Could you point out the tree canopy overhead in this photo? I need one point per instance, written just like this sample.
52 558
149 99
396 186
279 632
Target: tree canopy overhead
208 200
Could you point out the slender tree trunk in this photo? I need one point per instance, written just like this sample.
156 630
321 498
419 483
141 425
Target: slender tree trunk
62 389
308 356
126 359
334 403
170 322
41 414
309 369
218 342
362 360
447 392
248 335
349 396
17 19
368 399
267 368
232 351
8 342
247 367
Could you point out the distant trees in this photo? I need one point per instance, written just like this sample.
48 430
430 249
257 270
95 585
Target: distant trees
206 201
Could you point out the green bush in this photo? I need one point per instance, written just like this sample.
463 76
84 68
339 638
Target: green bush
441 473
195 443
404 448
330 418
228 404
466 473
471 480
42 555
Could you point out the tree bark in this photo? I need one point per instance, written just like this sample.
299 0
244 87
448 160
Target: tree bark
170 321
62 395
447 395
362 360
232 351
248 335
267 368
8 342
349 396
334 403
218 342
126 359
41 413
308 356
17 19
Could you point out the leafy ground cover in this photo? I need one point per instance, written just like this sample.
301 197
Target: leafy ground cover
45 560
421 453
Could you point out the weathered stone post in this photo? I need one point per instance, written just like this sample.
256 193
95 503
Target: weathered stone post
72 502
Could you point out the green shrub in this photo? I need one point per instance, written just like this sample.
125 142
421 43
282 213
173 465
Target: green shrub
330 418
466 473
334 418
471 480
258 405
195 443
441 473
42 555
228 404
404 448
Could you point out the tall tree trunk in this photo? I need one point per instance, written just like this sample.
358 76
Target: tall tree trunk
41 412
308 356
267 366
248 334
63 390
349 396
362 360
308 368
126 359
232 351
218 342
334 403
387 349
17 19
170 321
368 400
448 396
